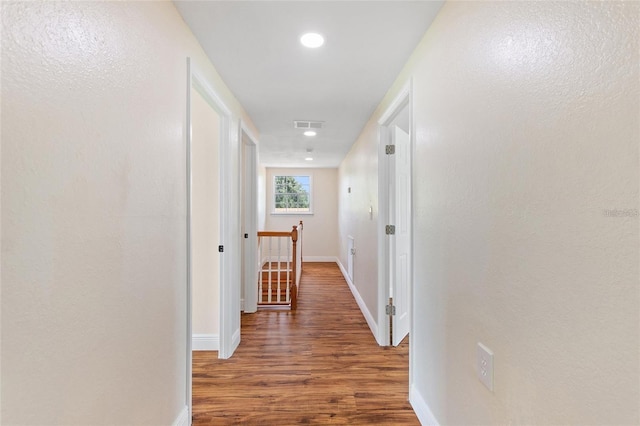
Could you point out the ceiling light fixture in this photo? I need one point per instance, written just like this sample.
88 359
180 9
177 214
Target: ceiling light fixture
312 40
310 133
309 159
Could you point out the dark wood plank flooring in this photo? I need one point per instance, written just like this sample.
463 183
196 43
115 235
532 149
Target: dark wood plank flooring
318 365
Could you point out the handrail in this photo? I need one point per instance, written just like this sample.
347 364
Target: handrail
274 234
272 272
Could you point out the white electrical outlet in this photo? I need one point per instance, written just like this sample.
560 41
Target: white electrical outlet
485 365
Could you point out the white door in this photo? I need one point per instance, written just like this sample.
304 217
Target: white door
401 256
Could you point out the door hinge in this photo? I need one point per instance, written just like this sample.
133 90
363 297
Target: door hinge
390 229
246 235
221 249
390 149
391 310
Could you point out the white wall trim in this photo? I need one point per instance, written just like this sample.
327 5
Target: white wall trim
205 342
422 410
320 259
235 340
183 418
401 100
189 283
363 306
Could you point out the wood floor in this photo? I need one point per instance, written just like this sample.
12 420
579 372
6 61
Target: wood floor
318 365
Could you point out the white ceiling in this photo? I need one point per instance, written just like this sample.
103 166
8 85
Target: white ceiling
255 47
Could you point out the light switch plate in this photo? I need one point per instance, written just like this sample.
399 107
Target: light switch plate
485 365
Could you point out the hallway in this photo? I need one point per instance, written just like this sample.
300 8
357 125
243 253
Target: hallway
524 127
319 365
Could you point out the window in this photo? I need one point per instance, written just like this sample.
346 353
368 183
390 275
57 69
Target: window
292 194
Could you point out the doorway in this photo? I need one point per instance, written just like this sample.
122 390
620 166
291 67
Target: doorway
395 225
210 163
249 220
205 223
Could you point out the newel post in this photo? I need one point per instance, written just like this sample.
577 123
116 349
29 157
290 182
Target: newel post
294 286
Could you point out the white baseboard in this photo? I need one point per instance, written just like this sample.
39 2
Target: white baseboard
319 259
205 342
183 418
363 306
421 408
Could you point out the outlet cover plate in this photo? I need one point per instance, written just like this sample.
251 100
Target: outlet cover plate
484 359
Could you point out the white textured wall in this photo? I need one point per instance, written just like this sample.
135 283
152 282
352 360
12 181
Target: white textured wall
359 171
205 216
527 121
320 228
93 211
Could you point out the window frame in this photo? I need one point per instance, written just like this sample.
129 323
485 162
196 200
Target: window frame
291 213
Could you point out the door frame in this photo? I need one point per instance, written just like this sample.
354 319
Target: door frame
189 357
196 80
226 310
402 100
250 203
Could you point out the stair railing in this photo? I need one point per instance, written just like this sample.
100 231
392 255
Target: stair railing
280 267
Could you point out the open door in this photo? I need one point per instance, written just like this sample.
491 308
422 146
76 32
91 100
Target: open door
395 220
400 283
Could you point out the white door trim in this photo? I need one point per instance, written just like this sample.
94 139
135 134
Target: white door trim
404 98
251 217
187 130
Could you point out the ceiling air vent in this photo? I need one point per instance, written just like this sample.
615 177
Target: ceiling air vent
303 124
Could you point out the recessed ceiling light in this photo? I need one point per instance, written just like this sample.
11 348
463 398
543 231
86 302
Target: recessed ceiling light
312 40
309 159
310 133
